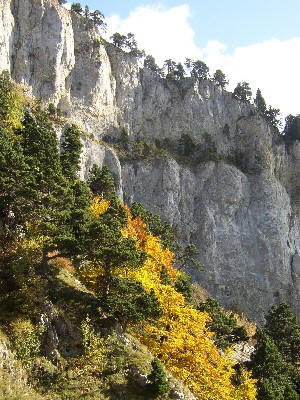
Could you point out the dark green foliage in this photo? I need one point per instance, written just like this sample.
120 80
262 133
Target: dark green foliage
104 241
79 220
184 286
220 78
200 70
54 195
179 71
224 326
259 101
51 109
106 245
187 145
129 302
124 138
18 194
101 182
282 327
97 18
175 71
242 91
239 160
292 128
272 116
71 149
170 66
40 146
186 257
149 63
130 42
76 7
118 40
157 377
155 225
273 373
226 130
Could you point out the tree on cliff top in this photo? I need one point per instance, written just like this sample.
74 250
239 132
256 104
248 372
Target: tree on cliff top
242 91
76 7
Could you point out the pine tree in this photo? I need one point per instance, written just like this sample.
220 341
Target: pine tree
118 40
220 78
200 70
273 373
187 145
159 383
292 127
76 7
222 324
259 101
130 303
184 286
70 155
18 192
281 326
149 63
54 195
242 91
101 182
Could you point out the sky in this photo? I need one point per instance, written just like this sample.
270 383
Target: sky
257 41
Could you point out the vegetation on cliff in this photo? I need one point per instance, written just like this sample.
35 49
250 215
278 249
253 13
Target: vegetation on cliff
74 258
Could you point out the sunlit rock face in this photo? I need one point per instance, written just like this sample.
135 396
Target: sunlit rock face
243 217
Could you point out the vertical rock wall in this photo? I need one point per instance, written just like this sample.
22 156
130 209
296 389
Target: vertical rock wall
245 224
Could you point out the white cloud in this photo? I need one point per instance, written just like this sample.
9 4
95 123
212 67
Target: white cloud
160 32
273 65
67 6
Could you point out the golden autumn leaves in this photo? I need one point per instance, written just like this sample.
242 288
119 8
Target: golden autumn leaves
179 338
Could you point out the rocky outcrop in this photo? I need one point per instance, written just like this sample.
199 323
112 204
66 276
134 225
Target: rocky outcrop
241 208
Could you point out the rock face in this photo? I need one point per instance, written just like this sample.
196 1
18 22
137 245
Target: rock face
243 216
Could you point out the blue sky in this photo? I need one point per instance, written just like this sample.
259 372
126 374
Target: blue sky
235 22
253 40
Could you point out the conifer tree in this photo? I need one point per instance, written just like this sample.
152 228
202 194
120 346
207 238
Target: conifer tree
150 63
200 70
282 327
292 127
242 91
76 7
259 101
158 378
273 373
220 78
54 195
118 40
18 194
70 152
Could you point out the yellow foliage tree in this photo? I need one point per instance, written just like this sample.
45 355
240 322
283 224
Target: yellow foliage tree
180 338
99 206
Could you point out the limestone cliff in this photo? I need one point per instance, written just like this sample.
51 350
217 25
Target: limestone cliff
243 216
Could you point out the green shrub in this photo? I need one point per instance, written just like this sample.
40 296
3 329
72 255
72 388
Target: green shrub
184 286
26 339
12 102
158 379
133 305
187 146
223 325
